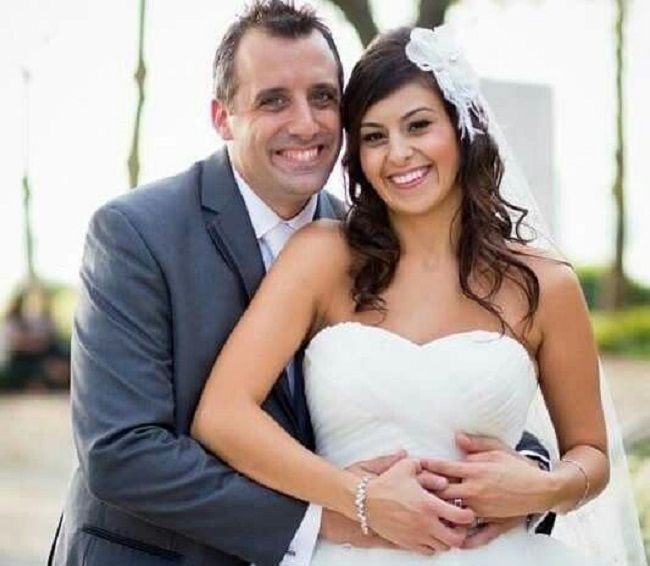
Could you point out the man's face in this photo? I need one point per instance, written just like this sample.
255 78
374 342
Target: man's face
283 126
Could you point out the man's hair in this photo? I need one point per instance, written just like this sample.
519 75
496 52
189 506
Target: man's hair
278 18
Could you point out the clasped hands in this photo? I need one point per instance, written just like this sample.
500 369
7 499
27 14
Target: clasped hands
414 504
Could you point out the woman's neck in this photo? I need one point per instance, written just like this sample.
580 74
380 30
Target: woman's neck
430 238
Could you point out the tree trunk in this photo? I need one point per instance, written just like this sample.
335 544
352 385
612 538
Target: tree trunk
358 13
140 75
26 190
617 281
432 12
29 234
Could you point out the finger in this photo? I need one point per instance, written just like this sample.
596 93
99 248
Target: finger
489 532
447 468
487 456
451 537
424 550
432 482
475 443
441 509
455 491
382 463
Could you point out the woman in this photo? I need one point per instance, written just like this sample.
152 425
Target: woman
427 312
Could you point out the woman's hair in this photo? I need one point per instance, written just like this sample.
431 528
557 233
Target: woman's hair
488 222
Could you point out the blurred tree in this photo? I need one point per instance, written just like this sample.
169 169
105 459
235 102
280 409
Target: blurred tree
140 75
431 13
27 194
617 284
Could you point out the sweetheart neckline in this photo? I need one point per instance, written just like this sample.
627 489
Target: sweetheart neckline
399 337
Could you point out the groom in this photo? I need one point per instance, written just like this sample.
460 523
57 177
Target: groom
168 269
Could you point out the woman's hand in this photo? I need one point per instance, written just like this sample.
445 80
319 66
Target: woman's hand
497 483
400 510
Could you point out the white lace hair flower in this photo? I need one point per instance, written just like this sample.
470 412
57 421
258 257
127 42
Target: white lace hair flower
436 51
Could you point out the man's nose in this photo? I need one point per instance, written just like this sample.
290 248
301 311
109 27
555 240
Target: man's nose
303 122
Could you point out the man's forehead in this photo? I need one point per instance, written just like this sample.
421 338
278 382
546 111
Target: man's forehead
267 61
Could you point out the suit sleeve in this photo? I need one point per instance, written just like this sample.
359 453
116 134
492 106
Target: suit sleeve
531 447
123 410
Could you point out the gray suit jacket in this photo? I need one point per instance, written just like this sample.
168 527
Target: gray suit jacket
167 271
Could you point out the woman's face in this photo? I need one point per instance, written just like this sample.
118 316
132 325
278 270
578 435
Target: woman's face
409 152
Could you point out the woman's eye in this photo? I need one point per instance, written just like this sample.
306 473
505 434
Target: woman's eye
419 125
372 137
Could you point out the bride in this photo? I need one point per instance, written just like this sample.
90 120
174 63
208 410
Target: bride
427 312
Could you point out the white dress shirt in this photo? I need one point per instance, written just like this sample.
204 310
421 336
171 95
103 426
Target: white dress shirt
272 233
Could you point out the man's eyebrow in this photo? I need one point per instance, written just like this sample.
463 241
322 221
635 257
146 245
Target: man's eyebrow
326 86
267 92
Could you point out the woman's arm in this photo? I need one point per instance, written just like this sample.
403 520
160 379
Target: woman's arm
570 382
498 483
229 420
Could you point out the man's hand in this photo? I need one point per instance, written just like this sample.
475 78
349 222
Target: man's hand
495 481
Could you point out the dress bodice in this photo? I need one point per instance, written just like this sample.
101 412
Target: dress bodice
370 390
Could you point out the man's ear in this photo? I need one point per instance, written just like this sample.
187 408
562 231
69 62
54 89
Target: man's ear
221 119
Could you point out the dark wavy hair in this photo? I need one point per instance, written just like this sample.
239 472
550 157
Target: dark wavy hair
489 223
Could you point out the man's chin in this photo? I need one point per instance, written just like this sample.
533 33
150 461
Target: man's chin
304 185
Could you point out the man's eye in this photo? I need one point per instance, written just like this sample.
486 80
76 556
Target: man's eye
324 98
273 102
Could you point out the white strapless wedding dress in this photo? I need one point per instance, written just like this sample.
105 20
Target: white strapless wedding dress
372 392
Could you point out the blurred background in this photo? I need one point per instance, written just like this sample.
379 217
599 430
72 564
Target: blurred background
98 97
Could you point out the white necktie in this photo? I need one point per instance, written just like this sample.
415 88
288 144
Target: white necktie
275 239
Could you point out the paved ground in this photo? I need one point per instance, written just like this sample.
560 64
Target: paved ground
37 457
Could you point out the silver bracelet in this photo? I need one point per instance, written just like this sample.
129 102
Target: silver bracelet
360 501
582 470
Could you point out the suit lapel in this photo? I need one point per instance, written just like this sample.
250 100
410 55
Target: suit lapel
228 222
229 226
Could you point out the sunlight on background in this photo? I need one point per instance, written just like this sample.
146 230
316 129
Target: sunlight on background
81 56
76 127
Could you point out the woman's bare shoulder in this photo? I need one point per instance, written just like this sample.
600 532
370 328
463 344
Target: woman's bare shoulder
320 249
556 276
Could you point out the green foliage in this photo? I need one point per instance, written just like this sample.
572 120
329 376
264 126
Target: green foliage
626 332
593 280
590 278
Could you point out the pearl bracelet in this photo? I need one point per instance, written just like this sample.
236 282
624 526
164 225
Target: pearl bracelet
360 503
582 470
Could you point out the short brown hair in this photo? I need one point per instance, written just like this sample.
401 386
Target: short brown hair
278 18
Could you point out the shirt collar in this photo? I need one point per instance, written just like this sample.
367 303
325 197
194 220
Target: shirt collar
263 217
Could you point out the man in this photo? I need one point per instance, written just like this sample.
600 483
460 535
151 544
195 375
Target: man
168 270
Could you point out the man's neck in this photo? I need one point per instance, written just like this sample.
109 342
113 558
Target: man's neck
285 209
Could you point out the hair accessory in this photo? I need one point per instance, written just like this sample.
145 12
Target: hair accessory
436 51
